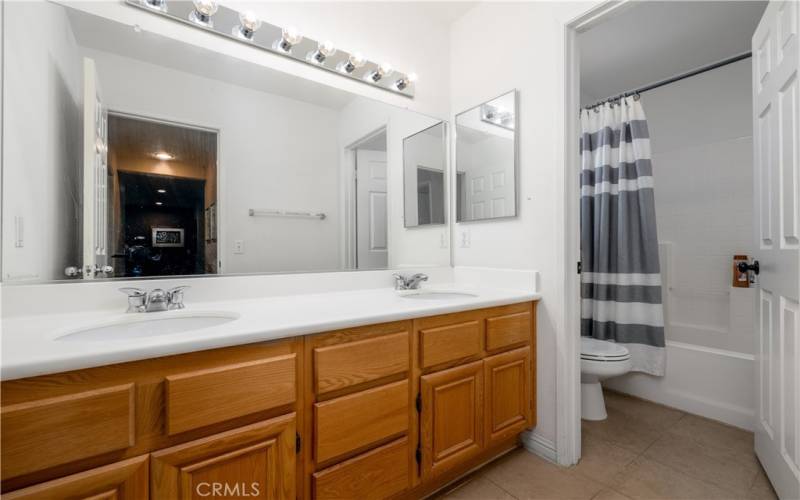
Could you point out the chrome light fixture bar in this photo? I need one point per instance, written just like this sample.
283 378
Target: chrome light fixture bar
246 28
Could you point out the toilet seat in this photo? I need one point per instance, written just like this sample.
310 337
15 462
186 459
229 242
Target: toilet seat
602 350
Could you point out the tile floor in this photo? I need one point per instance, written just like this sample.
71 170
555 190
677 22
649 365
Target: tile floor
642 451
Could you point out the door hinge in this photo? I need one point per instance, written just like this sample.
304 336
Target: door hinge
418 455
579 267
419 403
298 442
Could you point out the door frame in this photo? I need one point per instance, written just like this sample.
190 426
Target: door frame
350 195
220 176
568 368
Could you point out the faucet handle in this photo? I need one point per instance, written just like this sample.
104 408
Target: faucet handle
136 299
175 297
400 282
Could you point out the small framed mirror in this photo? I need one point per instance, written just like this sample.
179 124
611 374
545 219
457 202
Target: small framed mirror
424 176
486 160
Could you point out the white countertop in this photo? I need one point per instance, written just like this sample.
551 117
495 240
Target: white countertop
30 346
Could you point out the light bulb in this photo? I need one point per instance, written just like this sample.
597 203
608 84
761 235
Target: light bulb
355 61
384 69
290 37
249 24
203 10
403 82
324 50
156 4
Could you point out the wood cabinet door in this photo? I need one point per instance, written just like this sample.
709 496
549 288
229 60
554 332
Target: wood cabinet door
452 417
126 480
256 461
507 393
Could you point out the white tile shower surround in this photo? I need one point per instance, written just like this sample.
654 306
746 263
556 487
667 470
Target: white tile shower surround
269 307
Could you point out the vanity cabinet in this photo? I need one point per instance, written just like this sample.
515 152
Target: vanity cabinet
393 410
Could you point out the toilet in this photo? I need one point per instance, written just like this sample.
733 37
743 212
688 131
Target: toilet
600 359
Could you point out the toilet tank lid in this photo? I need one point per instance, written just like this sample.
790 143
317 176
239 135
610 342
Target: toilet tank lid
594 347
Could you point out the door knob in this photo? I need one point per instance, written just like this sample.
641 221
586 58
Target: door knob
745 267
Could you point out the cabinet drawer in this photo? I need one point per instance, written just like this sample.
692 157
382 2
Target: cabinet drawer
126 480
378 474
509 330
354 422
346 365
204 397
450 343
48 432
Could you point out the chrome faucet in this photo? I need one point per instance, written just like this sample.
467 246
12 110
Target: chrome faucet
140 301
408 283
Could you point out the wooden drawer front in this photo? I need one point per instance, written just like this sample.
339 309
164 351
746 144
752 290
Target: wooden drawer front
126 480
354 422
340 366
41 434
204 397
508 397
510 330
449 343
378 474
257 461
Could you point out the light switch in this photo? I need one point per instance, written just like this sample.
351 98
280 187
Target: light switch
238 246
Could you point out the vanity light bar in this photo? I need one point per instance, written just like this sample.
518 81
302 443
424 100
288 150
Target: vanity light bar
245 28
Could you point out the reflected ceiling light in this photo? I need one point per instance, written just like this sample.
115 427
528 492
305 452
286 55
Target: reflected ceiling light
355 61
289 38
402 83
159 203
248 25
162 191
384 69
156 4
164 156
203 10
324 50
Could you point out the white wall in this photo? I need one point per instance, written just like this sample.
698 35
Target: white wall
41 156
526 57
408 247
701 137
274 152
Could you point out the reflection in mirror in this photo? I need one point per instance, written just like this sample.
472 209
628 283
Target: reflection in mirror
131 153
486 160
424 165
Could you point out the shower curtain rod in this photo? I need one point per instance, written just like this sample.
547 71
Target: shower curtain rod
673 79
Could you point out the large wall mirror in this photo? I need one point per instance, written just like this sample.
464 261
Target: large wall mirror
424 176
486 146
130 154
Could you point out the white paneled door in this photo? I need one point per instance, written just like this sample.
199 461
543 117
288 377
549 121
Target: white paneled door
95 174
776 128
371 210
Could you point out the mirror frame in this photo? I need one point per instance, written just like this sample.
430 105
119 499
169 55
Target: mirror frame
446 180
515 155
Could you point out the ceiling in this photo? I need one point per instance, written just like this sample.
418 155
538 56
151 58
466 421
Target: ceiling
446 12
130 138
650 41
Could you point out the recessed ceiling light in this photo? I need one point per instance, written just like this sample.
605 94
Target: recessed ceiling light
162 191
164 156
159 203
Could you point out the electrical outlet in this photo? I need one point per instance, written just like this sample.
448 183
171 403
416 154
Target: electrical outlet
238 246
443 240
466 238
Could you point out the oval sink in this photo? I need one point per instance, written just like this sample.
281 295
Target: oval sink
432 294
149 325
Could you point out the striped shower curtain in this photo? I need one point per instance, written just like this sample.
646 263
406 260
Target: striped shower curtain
620 278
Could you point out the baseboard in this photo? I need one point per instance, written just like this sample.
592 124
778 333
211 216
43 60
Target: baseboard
539 446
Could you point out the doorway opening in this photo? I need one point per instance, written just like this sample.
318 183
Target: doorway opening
162 206
368 245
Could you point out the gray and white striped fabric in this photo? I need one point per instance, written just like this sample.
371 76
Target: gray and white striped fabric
620 278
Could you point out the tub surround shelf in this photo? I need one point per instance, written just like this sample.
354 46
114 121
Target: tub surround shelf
31 345
392 409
